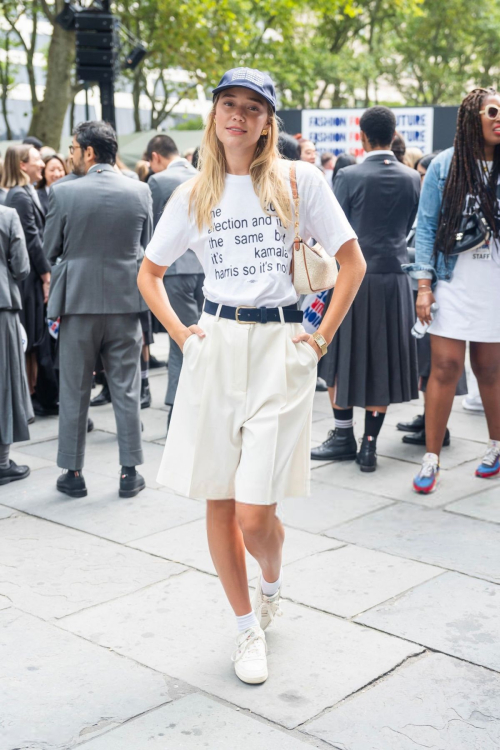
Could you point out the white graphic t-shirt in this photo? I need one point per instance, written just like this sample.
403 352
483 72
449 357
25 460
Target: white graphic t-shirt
246 254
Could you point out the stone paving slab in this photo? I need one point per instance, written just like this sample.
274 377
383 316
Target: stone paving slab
102 512
43 428
57 690
350 580
6 512
394 480
328 506
431 536
484 506
158 382
101 456
390 444
429 702
453 613
193 641
34 462
51 571
153 419
188 545
193 723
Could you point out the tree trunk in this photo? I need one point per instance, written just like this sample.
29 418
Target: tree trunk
4 80
48 118
136 98
8 131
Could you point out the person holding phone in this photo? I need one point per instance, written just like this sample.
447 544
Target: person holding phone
465 285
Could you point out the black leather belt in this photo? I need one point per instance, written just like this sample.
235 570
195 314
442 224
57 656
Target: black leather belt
246 315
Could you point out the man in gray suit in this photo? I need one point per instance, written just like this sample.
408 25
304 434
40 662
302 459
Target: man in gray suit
184 278
96 230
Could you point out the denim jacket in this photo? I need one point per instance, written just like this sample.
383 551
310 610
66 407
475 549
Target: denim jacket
427 266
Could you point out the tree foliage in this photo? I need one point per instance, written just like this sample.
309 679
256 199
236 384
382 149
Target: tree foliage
321 53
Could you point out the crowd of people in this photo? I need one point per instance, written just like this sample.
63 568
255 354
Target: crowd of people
373 362
96 258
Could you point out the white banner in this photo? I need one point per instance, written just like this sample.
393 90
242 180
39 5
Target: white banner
337 130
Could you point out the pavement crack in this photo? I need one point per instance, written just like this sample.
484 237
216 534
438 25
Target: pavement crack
375 680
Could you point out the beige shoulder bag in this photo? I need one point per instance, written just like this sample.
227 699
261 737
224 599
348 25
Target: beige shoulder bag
313 270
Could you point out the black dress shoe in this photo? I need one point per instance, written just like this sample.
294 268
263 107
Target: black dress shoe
367 456
418 438
416 424
130 484
13 473
90 425
44 411
340 445
72 483
145 395
321 386
103 398
155 364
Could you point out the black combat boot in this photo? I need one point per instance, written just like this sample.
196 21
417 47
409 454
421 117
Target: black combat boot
145 395
340 445
367 455
103 398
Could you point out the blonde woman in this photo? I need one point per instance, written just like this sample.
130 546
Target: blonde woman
240 429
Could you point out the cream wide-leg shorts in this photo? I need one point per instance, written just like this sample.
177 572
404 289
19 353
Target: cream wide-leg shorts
241 422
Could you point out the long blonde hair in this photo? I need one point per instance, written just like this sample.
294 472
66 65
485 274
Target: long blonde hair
268 182
13 175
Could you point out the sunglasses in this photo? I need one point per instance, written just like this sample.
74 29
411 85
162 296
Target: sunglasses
491 111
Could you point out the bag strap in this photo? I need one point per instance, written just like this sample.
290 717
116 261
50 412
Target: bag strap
296 200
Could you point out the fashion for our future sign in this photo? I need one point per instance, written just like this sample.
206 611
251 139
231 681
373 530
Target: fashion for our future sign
337 130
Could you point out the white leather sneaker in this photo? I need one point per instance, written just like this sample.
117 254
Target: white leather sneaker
266 608
250 657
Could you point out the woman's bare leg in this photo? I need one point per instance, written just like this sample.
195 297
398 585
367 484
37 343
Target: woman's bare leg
233 526
447 361
485 361
227 549
263 534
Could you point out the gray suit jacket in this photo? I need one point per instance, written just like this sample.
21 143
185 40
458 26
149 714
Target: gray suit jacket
96 230
162 186
14 259
380 199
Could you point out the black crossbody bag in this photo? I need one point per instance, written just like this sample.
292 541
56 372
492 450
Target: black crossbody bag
474 229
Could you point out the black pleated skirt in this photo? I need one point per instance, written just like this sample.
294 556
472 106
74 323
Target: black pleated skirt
372 360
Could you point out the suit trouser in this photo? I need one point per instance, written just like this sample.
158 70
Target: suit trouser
185 292
118 339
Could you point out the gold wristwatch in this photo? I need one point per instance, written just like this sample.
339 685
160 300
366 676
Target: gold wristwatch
321 342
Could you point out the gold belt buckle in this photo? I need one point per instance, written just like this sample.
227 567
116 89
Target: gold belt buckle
244 322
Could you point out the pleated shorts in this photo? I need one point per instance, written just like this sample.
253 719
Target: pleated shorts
241 422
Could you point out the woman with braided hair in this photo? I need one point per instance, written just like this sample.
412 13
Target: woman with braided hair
466 285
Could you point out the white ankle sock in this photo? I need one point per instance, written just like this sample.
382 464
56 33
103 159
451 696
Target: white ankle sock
246 621
269 589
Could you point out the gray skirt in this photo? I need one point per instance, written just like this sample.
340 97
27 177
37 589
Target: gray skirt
15 401
373 357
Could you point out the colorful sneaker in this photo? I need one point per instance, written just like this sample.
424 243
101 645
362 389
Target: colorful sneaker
266 608
250 657
427 478
490 465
